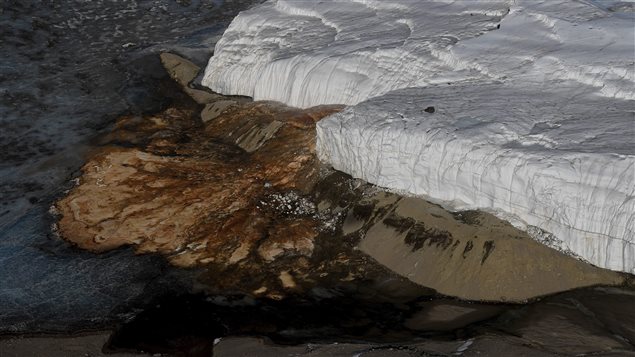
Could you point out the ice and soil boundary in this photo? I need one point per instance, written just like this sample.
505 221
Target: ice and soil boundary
521 108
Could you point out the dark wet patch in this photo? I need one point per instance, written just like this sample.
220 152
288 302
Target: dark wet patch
467 248
454 246
336 188
488 247
149 88
363 212
400 224
419 234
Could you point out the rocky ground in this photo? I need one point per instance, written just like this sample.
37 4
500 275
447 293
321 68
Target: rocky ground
213 221
241 194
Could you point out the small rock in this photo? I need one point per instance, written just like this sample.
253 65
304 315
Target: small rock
180 69
429 110
261 290
287 280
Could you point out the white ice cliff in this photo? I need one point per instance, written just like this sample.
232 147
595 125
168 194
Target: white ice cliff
534 119
306 53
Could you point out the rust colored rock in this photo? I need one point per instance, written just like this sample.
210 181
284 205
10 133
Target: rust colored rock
190 192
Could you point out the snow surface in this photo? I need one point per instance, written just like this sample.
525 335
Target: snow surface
534 121
306 53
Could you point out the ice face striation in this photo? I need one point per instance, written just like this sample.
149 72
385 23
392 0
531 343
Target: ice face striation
551 158
306 53
534 114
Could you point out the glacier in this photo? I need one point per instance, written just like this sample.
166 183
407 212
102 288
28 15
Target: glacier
534 104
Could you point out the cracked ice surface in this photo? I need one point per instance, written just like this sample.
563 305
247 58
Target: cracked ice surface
537 124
